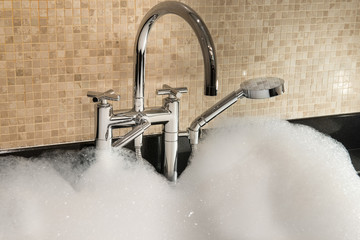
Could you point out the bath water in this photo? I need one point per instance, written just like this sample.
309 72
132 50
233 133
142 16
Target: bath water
250 179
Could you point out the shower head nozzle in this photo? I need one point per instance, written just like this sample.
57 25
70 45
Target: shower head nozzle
264 87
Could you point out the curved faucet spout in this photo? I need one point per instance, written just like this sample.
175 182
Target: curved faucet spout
202 33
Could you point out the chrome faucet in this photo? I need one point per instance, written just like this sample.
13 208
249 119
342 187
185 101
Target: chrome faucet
140 119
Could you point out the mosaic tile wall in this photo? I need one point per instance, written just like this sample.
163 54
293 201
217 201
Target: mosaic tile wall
53 51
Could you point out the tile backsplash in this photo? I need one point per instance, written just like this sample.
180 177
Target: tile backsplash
53 51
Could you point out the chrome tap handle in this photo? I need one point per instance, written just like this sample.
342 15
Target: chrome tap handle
103 96
174 92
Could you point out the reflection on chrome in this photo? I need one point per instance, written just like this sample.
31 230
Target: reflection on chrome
140 119
168 115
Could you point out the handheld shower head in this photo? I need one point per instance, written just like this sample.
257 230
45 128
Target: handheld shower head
256 88
263 87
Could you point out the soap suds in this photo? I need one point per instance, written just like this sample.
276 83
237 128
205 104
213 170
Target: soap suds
251 179
269 179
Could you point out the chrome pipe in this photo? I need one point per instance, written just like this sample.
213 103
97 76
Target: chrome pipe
210 83
135 132
158 115
211 113
171 132
202 33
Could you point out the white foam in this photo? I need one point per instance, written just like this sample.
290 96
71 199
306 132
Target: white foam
33 196
251 179
269 179
120 200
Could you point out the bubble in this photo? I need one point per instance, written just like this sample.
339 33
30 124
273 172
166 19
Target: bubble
270 179
113 198
251 179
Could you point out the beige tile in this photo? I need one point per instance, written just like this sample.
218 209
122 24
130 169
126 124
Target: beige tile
53 52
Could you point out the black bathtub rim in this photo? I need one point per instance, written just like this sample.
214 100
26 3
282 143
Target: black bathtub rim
42 148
